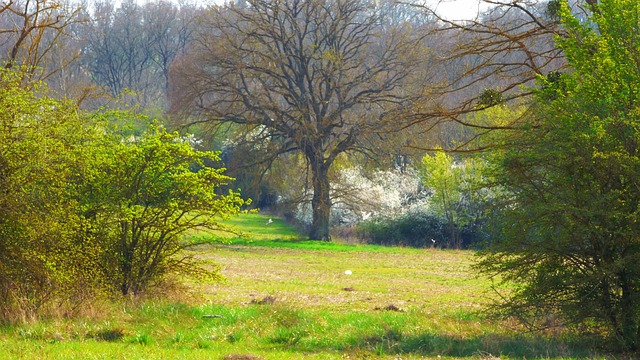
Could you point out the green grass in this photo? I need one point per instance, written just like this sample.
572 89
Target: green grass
286 298
257 227
306 245
257 231
161 331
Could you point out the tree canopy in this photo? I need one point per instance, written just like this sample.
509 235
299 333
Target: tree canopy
568 236
317 77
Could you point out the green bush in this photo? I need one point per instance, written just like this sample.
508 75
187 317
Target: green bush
42 258
85 211
417 229
140 195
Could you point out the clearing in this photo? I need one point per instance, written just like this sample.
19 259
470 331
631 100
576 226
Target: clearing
286 298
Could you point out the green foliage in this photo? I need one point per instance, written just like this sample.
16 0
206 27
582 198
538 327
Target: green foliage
570 229
489 98
457 195
84 209
41 259
420 229
140 195
415 229
553 9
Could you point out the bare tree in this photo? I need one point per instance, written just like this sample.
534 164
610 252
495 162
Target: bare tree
32 35
394 12
132 47
170 28
119 51
492 59
317 77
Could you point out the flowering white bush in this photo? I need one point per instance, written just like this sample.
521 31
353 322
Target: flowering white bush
192 140
381 194
358 196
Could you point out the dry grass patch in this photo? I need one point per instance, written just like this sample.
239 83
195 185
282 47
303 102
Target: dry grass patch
422 279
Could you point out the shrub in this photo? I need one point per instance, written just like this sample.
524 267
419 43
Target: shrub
140 196
417 229
41 262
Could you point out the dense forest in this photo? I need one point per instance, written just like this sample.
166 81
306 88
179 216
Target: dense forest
515 133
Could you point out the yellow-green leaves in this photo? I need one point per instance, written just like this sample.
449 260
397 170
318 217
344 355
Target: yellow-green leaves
41 257
84 208
145 194
456 190
568 232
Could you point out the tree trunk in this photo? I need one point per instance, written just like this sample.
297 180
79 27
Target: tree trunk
320 204
125 257
629 314
454 235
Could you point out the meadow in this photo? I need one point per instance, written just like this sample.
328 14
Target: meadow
286 298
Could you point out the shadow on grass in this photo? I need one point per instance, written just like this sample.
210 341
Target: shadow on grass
436 345
491 345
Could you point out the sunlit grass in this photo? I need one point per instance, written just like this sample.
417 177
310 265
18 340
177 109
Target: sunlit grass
262 230
251 227
287 298
316 278
163 331
272 331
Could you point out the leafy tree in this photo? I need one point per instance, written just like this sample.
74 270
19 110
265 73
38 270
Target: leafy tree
443 177
569 235
457 196
141 195
42 260
315 77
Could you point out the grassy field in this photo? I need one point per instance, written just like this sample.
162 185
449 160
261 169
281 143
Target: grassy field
286 298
